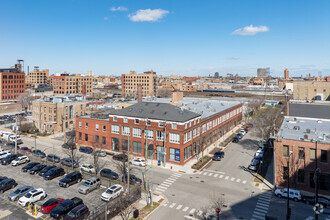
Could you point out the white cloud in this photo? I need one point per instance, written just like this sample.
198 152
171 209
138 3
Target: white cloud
119 8
232 58
250 30
106 18
148 15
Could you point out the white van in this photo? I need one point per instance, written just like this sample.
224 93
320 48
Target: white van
293 194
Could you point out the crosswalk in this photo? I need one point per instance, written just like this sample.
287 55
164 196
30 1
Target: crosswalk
262 206
223 176
167 183
312 218
185 209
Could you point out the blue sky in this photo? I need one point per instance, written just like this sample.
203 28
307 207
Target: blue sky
185 37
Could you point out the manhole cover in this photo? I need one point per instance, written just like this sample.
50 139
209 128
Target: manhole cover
191 177
202 181
173 194
197 177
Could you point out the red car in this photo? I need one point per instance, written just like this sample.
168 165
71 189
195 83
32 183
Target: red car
26 149
50 204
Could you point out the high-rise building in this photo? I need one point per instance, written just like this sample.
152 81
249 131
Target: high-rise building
263 72
12 82
286 73
130 83
216 75
72 84
37 77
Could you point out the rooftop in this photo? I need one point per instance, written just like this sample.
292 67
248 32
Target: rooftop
310 110
305 129
61 99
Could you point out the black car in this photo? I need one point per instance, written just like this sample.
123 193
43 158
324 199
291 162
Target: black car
120 157
64 207
38 153
29 166
320 200
68 162
107 173
3 178
36 169
45 170
53 158
218 155
70 179
7 160
235 139
79 212
69 146
87 150
133 180
7 184
53 173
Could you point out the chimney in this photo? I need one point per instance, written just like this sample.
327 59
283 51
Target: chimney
139 91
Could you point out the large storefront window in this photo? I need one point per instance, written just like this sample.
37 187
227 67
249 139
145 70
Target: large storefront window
115 144
137 147
175 154
160 153
150 151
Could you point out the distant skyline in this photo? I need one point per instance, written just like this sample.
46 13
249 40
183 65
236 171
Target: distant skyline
186 37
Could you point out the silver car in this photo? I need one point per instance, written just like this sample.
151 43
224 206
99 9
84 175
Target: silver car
19 192
89 185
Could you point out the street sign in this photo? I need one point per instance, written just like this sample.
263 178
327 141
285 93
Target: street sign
318 208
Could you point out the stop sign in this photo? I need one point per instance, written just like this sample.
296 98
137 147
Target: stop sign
217 210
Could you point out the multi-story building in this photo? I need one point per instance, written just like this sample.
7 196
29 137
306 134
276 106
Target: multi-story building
310 90
72 84
130 83
263 72
161 131
37 77
286 74
57 113
12 82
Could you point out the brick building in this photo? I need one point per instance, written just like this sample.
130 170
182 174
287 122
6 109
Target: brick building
57 113
72 84
310 90
12 83
130 83
160 131
37 77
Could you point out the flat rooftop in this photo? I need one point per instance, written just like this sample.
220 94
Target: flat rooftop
305 129
310 110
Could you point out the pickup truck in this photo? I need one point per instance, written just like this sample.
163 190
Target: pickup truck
64 207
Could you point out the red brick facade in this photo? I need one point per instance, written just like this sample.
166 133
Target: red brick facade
12 85
192 134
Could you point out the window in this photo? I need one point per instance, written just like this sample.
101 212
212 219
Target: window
285 151
161 124
285 173
312 154
104 141
185 153
160 135
80 124
126 130
136 132
189 151
115 129
125 120
115 144
148 122
194 148
86 137
124 145
324 156
86 125
172 154
301 176
114 118
194 133
189 135
301 153
80 136
174 126
136 147
174 138
204 128
149 134
198 129
137 121
97 139
97 127
104 127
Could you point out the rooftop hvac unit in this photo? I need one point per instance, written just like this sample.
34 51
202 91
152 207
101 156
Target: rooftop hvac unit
306 136
297 128
308 130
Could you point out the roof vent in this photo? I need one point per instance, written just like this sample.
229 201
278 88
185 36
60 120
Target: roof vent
130 109
306 136
295 119
308 130
319 121
152 111
164 113
297 128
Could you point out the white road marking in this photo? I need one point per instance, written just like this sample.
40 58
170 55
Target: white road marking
244 182
215 175
177 174
309 218
165 204
264 200
262 204
214 171
199 213
170 180
220 176
162 190
205 173
238 180
172 205
258 217
261 207
232 179
260 212
162 187
192 211
185 209
179 207
227 177
210 174
167 182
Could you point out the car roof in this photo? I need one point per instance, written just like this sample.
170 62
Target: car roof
115 186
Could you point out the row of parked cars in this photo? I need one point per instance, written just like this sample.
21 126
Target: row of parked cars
257 158
241 133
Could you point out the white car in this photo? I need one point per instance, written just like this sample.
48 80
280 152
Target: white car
20 160
32 196
138 162
243 132
293 194
87 168
259 154
112 192
4 154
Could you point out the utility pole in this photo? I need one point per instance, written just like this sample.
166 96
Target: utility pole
164 154
145 154
16 136
316 179
287 195
128 177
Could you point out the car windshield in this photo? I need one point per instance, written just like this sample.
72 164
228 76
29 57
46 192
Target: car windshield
28 195
90 167
109 191
48 202
71 214
85 183
17 191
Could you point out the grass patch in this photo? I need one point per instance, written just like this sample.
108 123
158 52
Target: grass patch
201 162
146 211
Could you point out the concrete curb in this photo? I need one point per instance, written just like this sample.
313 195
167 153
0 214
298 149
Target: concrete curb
154 210
205 165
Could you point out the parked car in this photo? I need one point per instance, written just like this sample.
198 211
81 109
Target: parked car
39 153
133 180
243 132
89 185
3 178
64 207
29 166
19 193
69 146
68 162
26 149
259 154
87 150
53 158
7 160
320 200
100 153
120 157
293 194
53 173
107 173
249 126
218 155
79 212
87 168
112 192
239 136
138 162
4 154
45 170
7 184
36 169
32 196
246 130
20 160
50 204
70 179
254 164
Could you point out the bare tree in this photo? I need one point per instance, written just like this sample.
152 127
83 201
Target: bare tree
216 201
266 122
122 168
163 93
25 100
124 202
70 148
